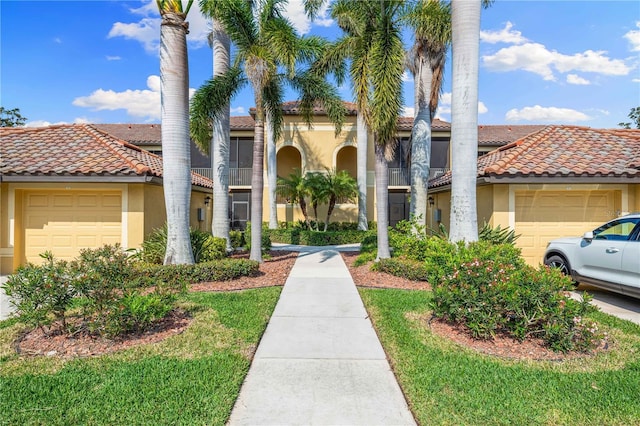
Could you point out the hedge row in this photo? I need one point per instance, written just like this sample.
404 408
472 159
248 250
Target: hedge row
314 238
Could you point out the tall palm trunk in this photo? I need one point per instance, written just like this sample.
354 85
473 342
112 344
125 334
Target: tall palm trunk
257 184
421 140
176 154
272 171
464 119
220 142
361 165
382 201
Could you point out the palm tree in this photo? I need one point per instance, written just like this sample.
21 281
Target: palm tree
267 50
338 186
431 22
465 23
264 40
295 190
176 154
316 185
373 43
220 141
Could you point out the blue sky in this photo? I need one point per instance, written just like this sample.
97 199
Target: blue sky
567 62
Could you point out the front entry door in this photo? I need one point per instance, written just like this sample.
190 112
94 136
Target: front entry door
239 214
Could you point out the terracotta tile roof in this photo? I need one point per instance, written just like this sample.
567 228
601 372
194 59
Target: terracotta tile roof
563 151
137 134
406 123
244 122
76 150
498 135
293 108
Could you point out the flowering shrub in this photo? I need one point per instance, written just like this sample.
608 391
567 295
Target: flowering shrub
491 297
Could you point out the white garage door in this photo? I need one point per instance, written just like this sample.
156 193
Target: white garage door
541 216
66 221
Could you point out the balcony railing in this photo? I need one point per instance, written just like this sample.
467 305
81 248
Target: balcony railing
402 176
237 177
397 176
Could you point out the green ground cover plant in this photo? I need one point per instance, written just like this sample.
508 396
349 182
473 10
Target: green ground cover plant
447 384
189 378
205 246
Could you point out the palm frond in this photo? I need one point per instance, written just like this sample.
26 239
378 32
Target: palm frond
209 102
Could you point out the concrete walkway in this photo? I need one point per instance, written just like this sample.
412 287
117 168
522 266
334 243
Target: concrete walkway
320 361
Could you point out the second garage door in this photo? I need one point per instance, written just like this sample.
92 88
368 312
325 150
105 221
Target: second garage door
65 222
541 216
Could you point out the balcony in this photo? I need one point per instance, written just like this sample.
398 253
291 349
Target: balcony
402 176
237 177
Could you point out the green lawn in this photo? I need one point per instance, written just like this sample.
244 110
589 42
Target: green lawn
449 385
191 378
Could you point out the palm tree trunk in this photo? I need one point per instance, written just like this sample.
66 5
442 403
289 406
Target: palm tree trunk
382 202
220 142
361 165
465 18
176 154
272 171
421 142
257 186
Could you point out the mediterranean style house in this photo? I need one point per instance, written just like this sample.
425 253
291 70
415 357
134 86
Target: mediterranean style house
72 186
68 187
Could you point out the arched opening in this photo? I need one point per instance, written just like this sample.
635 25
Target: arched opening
347 159
288 159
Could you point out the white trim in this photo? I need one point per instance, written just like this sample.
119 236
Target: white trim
12 216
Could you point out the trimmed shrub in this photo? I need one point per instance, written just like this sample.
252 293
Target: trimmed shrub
177 277
265 241
237 239
401 267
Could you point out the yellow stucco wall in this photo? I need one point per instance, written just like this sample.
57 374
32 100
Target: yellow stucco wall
497 204
142 211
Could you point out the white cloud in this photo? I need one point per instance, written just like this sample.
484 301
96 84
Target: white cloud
137 103
147 29
576 79
444 106
636 80
238 110
42 123
546 114
407 77
408 111
113 58
536 58
57 40
634 38
505 35
295 13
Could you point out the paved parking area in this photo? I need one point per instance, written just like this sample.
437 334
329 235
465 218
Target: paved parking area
619 305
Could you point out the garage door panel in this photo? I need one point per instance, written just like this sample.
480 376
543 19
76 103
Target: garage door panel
65 223
62 201
541 216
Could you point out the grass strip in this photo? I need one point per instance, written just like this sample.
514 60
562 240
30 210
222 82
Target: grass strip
446 384
190 378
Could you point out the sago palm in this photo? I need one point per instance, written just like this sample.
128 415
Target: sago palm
176 154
